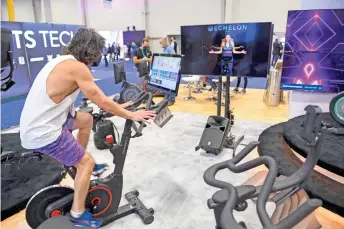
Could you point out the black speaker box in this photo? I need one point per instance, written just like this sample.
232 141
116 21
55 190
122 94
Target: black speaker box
215 133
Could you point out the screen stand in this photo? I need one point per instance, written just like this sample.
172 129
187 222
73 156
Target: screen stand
231 141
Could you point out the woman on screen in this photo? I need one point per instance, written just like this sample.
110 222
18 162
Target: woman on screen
227 49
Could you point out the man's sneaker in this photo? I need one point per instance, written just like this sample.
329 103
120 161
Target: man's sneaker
243 91
86 220
236 90
99 169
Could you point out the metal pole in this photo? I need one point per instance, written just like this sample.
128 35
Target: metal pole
227 98
219 95
145 14
223 10
83 9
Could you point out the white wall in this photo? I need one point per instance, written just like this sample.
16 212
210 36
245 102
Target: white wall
23 11
322 4
118 15
166 16
67 12
274 11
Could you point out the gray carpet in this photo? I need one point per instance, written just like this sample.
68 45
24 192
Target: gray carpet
168 173
164 166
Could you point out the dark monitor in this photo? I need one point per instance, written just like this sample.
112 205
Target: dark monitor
120 75
5 47
165 72
143 69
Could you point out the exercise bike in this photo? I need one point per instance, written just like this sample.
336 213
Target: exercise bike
274 189
104 194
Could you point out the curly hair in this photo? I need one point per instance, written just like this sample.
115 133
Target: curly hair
86 46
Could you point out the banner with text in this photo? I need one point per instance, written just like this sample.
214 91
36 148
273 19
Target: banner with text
34 44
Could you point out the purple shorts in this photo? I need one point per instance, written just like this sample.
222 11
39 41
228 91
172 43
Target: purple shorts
65 148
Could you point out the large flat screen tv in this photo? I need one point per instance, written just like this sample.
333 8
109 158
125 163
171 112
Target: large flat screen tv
244 48
314 51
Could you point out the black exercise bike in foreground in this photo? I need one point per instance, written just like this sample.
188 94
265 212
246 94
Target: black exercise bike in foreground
231 197
104 194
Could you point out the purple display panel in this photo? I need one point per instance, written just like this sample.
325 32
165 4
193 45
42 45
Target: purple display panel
21 72
314 52
133 36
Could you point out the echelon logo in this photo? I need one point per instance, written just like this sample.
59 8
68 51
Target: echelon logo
227 27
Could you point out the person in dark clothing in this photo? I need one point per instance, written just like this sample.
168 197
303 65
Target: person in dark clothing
133 49
105 52
174 45
129 50
112 59
118 52
236 90
143 55
109 52
276 51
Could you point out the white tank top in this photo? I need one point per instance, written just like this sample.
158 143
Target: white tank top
42 119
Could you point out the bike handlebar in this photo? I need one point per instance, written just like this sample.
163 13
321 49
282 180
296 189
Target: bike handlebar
270 185
148 97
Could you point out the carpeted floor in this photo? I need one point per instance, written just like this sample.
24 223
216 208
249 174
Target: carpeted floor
168 173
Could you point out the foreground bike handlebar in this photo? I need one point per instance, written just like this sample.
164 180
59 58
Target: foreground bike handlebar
270 185
150 105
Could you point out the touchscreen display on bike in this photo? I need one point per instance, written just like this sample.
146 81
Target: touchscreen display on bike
165 72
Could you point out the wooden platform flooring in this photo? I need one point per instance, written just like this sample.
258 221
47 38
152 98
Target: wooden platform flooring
249 106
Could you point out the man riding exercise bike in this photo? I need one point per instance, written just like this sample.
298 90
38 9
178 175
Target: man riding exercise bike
48 116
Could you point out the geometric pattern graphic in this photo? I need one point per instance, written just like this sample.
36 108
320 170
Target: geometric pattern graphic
334 60
339 15
314 33
314 51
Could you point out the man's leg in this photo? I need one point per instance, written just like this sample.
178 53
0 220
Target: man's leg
69 152
83 122
209 80
82 180
142 80
106 61
171 98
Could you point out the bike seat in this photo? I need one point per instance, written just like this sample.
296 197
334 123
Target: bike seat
243 193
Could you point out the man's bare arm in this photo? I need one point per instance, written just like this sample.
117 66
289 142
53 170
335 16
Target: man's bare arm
85 81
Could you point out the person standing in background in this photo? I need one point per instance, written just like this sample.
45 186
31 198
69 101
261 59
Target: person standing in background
113 53
129 50
174 44
276 51
133 49
105 52
118 52
168 50
109 52
143 55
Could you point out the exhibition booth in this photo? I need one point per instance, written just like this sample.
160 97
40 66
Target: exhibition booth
202 158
